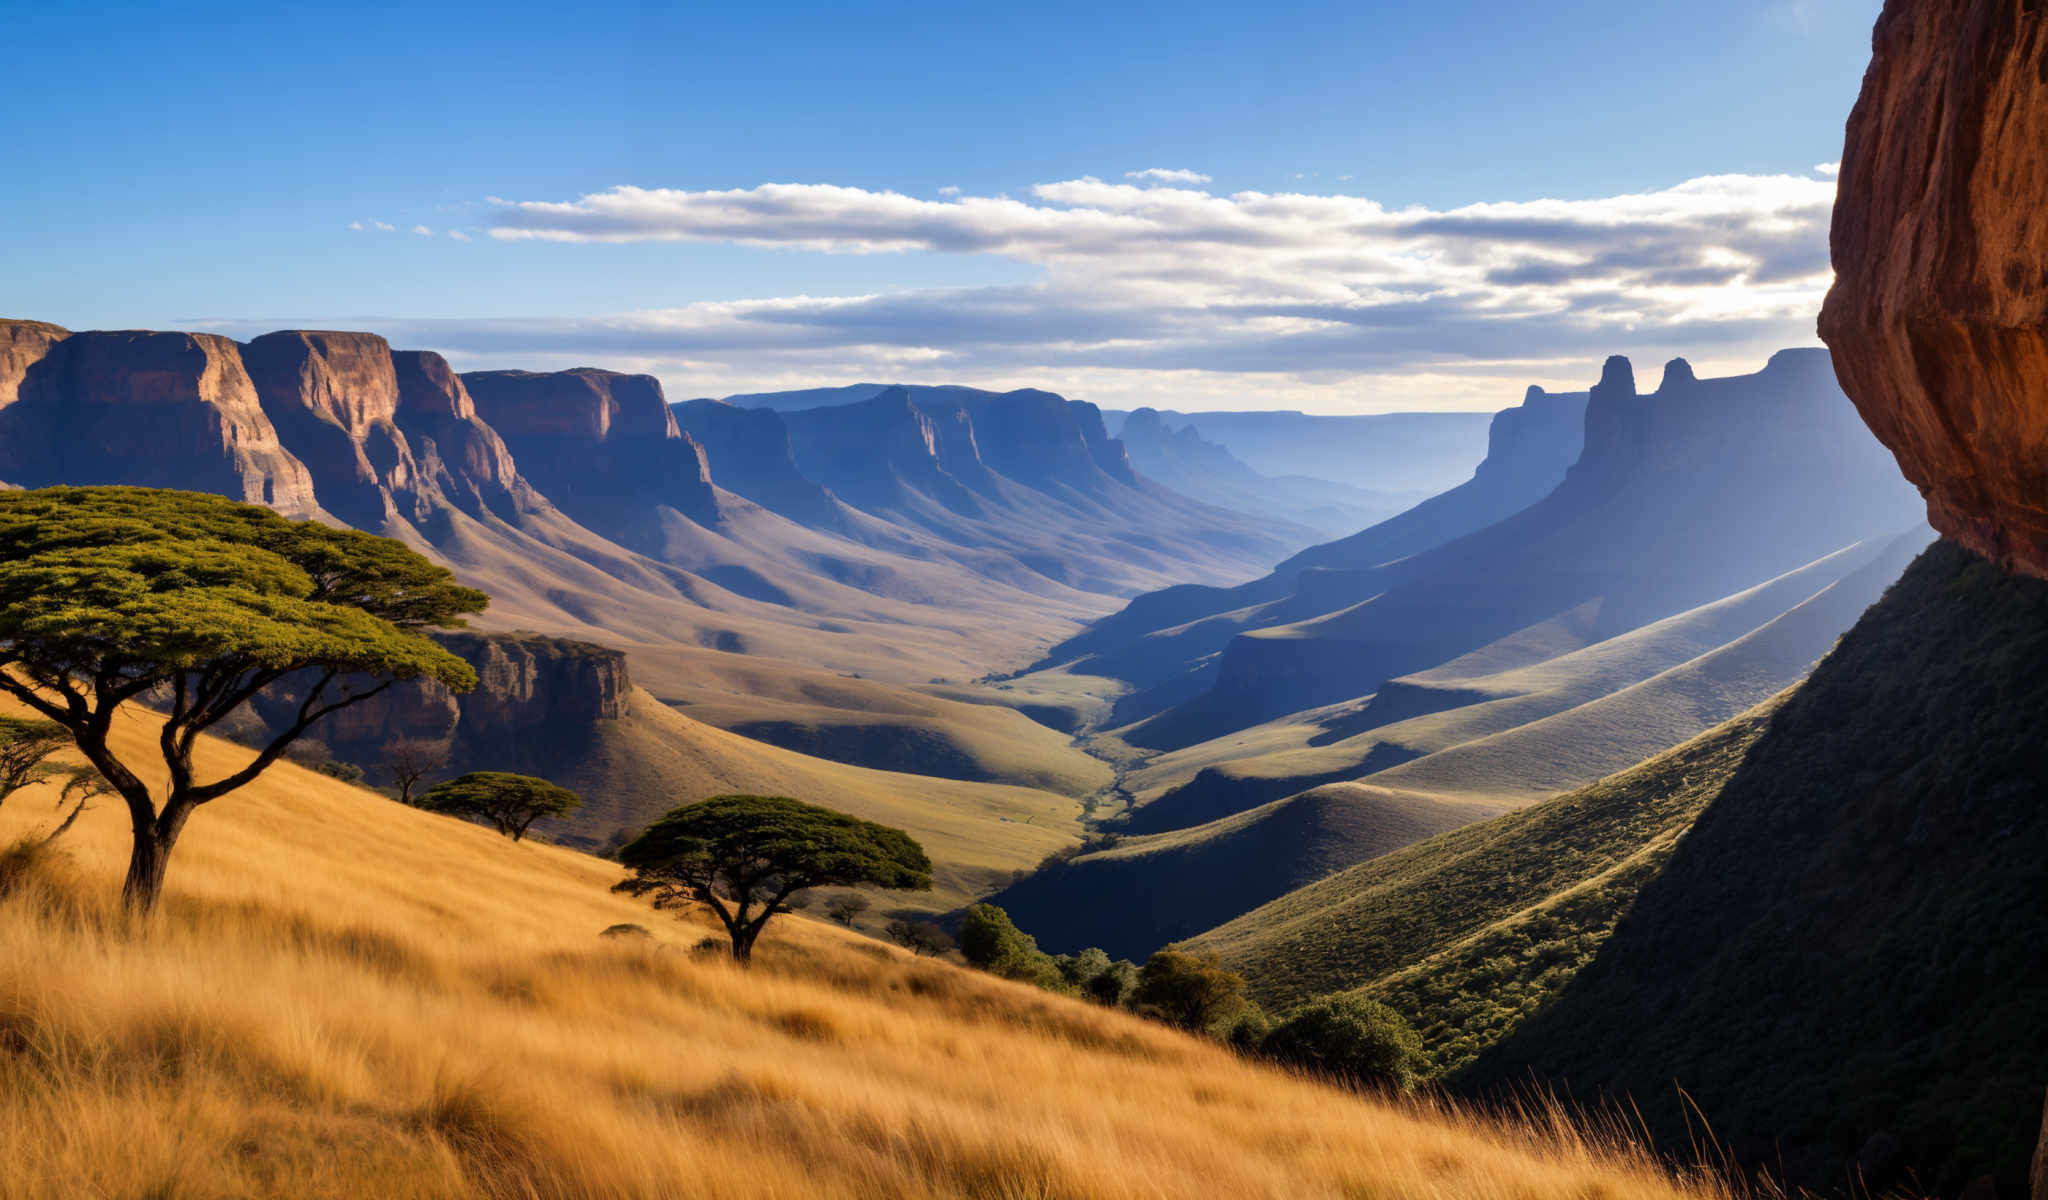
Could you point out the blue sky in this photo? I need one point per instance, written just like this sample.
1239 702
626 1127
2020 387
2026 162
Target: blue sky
203 165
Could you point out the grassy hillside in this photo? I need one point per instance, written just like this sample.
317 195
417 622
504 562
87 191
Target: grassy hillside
343 998
1143 892
1283 805
978 834
872 724
1470 931
1858 913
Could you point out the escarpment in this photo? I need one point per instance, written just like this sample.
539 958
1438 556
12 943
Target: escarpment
603 446
534 694
143 408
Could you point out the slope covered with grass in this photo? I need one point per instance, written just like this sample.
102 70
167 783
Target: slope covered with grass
1470 930
344 998
1849 940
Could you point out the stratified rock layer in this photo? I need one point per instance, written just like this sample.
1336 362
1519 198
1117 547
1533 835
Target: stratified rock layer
1939 314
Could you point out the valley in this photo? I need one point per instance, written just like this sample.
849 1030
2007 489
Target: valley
922 601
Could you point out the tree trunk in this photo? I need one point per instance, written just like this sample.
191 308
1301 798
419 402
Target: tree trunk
743 944
150 855
145 882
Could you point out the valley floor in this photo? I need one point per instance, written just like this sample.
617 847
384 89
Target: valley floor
343 997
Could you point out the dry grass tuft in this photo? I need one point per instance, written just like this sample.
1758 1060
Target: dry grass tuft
341 997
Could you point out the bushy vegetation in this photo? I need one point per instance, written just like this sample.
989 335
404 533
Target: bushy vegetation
1359 1041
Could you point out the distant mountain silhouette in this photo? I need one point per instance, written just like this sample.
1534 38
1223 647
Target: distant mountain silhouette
1163 642
1419 452
1678 498
1182 459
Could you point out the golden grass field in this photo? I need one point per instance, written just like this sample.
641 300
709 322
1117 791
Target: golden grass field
341 997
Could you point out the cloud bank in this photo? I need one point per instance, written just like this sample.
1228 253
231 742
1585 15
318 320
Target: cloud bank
1168 293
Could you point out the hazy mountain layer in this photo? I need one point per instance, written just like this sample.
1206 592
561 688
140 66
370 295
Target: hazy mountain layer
1678 499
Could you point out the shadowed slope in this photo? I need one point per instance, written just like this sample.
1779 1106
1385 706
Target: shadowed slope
1859 910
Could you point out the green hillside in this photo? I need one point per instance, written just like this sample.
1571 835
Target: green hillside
1470 930
1859 912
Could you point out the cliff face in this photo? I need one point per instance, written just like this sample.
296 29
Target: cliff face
603 446
1938 318
887 452
306 422
153 409
534 695
751 452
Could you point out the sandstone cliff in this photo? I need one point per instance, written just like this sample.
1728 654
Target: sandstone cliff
602 446
1939 314
153 409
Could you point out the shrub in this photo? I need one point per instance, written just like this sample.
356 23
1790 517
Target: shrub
1351 1038
920 937
1114 984
1193 992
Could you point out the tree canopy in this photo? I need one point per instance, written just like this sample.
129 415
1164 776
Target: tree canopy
111 594
508 803
745 856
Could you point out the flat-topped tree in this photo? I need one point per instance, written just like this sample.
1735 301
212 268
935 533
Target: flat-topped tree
745 856
196 603
506 802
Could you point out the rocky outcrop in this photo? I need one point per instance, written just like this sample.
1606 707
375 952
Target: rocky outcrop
1938 318
533 694
152 409
23 344
604 447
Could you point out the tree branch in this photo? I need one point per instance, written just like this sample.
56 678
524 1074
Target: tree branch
308 714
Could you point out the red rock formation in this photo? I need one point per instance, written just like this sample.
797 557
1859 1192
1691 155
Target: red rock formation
156 409
23 344
602 446
1939 315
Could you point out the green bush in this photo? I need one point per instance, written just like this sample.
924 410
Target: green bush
1351 1038
1193 992
989 940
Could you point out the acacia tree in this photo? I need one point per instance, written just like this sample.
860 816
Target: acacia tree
745 856
25 751
112 594
410 761
506 802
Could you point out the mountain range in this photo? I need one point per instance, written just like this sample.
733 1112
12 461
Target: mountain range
1379 690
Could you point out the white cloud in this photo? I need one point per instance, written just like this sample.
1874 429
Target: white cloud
383 227
1829 169
1177 295
1168 175
356 225
949 190
458 235
423 231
